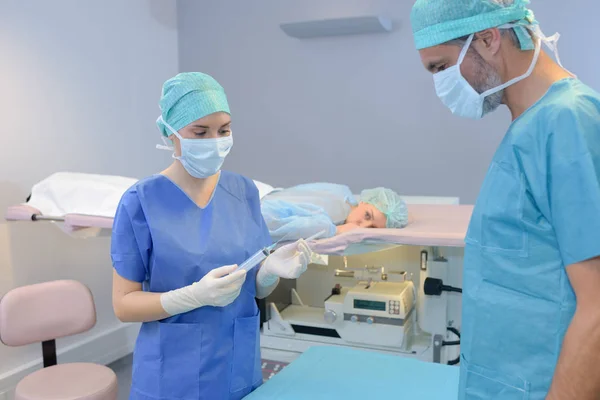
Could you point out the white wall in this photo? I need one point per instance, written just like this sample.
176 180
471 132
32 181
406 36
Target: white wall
359 110
80 86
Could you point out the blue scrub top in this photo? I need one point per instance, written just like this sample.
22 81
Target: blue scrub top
537 213
162 239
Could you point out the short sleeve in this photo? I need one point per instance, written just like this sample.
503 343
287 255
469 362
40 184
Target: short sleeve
130 242
573 183
253 199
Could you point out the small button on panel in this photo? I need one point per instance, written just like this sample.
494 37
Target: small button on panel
394 307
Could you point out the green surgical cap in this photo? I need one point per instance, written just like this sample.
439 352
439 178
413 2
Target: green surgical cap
435 22
188 97
389 203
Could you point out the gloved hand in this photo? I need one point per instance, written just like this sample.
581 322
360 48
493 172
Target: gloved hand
289 261
216 288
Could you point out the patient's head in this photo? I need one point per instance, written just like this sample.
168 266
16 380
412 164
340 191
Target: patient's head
366 216
379 208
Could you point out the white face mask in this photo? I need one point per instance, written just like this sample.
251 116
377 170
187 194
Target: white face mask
459 96
201 158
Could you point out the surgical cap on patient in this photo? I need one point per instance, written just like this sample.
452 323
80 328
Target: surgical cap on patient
188 97
389 203
436 22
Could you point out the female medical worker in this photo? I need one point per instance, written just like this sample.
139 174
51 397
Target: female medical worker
179 234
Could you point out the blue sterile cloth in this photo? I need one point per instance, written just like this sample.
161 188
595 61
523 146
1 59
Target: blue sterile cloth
324 372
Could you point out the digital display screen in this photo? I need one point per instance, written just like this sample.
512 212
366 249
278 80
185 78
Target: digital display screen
369 305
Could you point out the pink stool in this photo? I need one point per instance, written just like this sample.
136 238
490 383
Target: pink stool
42 313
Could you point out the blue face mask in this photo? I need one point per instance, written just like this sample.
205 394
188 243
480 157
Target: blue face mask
459 96
201 158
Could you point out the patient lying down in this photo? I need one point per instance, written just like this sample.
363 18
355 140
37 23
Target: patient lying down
305 210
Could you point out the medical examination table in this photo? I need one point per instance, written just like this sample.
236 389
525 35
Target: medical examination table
326 372
86 204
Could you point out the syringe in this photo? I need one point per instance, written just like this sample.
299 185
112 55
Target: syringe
255 258
258 257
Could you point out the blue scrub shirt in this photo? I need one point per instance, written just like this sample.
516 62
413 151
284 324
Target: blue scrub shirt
162 239
537 213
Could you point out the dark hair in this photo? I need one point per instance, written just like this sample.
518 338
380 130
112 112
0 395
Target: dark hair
510 32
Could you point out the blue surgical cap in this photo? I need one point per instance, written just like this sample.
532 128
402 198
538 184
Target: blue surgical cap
188 97
435 22
389 203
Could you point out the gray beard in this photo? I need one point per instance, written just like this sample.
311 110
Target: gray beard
488 79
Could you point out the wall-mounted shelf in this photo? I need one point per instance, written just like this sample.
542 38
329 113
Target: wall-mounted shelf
337 27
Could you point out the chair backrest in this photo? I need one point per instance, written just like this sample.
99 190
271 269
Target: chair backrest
45 311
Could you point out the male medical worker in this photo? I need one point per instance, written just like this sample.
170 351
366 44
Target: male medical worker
176 238
531 290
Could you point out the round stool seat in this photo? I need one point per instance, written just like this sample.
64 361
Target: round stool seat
76 381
